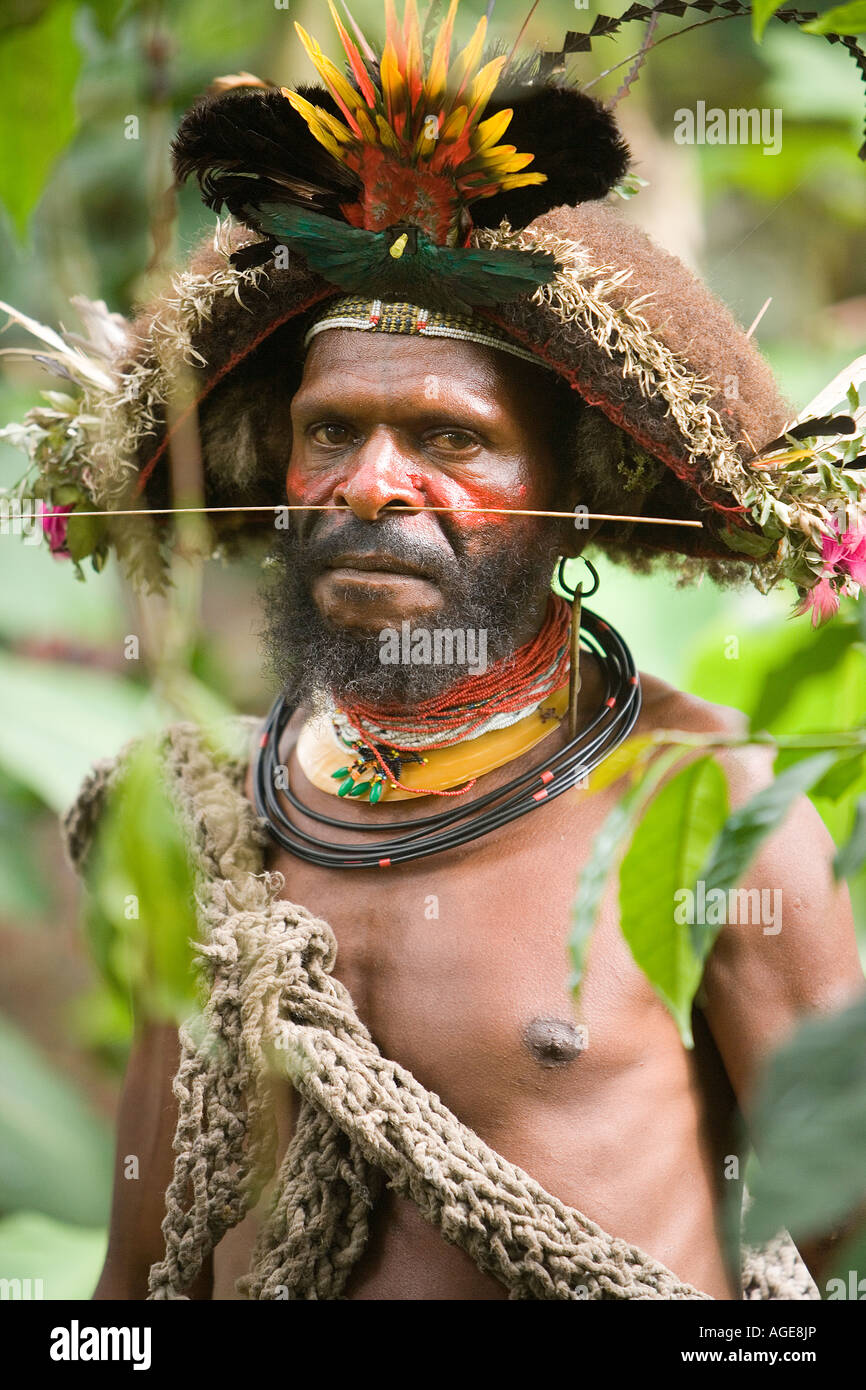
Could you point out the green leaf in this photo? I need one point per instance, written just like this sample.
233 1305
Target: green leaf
746 829
67 1259
82 533
141 917
762 13
39 66
55 1155
809 1129
842 19
747 542
840 779
626 758
614 834
669 846
851 857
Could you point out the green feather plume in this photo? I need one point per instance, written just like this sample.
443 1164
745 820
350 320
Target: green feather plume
402 263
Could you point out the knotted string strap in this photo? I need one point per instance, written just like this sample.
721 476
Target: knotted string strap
513 1229
273 1008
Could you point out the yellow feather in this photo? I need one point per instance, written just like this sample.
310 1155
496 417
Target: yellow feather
485 81
424 146
492 159
392 28
496 169
312 115
466 60
387 137
368 130
311 48
315 114
415 68
521 180
330 75
489 131
341 86
437 77
518 162
411 27
336 127
393 88
454 125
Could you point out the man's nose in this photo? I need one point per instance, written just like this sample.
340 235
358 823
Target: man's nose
380 474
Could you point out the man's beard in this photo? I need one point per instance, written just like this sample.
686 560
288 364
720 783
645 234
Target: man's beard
310 658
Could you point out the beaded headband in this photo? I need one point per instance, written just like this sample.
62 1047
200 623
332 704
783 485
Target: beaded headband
376 316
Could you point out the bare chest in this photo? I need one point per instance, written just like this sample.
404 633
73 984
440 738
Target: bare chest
459 966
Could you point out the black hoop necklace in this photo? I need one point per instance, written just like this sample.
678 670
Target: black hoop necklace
428 835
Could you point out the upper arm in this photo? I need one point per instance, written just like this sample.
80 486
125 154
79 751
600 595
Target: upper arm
797 954
762 979
800 956
144 1164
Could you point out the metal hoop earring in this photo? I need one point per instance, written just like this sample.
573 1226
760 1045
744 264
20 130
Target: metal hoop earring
571 593
576 596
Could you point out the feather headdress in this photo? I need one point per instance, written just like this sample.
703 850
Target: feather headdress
467 179
379 177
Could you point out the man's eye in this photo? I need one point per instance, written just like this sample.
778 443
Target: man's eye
454 441
331 433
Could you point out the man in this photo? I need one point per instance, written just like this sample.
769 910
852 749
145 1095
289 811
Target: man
415 1020
473 999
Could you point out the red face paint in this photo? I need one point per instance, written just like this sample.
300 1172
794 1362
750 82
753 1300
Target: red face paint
307 489
394 457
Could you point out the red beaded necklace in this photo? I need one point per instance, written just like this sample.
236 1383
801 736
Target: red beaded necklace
513 684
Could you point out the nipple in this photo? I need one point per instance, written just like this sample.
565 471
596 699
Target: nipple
554 1042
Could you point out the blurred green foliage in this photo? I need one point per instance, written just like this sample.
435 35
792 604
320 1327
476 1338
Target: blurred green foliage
141 905
55 1155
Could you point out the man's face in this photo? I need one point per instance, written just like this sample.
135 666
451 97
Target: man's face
382 423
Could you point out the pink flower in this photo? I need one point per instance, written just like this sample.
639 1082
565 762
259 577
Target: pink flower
55 526
846 555
823 601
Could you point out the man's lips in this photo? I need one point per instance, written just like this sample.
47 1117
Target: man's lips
376 564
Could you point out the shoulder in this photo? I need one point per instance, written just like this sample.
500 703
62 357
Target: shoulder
747 767
666 707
